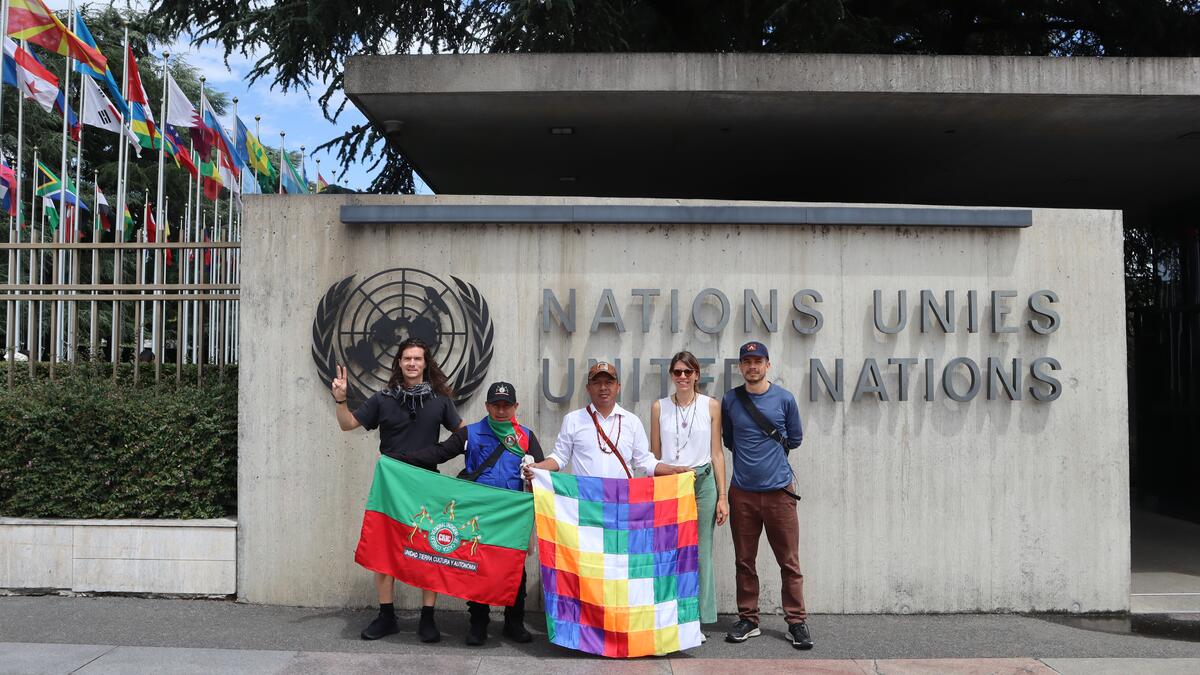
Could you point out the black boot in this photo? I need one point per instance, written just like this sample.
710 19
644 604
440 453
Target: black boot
477 631
427 629
384 624
514 625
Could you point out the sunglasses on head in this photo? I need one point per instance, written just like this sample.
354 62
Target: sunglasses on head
682 372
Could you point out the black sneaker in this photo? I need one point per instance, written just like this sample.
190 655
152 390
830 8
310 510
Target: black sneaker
517 632
742 631
384 624
798 634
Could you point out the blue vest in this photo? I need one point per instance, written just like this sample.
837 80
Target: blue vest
481 443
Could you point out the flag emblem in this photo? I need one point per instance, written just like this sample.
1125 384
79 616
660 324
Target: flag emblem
443 537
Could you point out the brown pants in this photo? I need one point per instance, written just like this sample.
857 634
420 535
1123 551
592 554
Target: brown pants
749 514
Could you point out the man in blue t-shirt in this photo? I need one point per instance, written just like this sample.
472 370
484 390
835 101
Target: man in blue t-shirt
762 493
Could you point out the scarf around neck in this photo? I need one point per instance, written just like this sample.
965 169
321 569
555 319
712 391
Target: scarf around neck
414 395
511 435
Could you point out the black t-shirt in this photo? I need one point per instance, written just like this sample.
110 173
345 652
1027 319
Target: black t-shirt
398 431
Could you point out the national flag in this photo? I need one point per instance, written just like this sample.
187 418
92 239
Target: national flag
46 181
8 188
99 112
73 124
26 73
105 75
51 213
151 226
48 186
321 184
180 110
620 568
445 534
230 176
175 148
104 211
129 228
210 176
31 20
293 183
216 138
139 106
252 152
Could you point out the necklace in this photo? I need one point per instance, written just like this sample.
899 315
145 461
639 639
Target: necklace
682 421
604 438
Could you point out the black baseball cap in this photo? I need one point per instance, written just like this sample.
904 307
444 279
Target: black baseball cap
502 391
753 348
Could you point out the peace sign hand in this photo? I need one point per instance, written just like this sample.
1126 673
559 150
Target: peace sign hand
338 386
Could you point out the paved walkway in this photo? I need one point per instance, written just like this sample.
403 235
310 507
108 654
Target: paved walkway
51 634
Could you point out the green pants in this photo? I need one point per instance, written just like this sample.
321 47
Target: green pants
706 520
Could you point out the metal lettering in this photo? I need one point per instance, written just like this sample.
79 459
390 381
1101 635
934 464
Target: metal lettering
807 310
901 312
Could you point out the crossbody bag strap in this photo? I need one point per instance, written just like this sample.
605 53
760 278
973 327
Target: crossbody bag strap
491 460
764 424
608 441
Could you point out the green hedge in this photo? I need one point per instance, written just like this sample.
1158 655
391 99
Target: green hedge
88 446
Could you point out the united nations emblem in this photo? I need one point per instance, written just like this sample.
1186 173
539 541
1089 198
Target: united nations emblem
362 325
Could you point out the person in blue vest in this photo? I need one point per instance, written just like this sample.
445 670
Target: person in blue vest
494 448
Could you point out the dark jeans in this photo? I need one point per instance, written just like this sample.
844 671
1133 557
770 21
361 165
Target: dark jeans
749 514
513 614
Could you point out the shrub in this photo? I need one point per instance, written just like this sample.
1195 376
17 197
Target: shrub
87 446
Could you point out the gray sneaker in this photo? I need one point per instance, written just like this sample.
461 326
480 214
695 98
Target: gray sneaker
743 630
799 635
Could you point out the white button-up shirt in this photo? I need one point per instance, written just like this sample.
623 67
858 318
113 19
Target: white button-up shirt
578 444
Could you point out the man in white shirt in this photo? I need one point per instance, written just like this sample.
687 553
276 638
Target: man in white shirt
589 436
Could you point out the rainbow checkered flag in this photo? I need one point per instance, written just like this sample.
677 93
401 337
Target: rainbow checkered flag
620 568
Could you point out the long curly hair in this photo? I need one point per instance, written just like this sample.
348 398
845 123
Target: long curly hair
433 373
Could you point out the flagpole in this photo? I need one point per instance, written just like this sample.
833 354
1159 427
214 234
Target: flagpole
281 135
33 274
212 276
60 258
201 346
93 337
185 228
234 198
4 36
159 273
73 323
317 185
196 273
19 173
119 226
257 135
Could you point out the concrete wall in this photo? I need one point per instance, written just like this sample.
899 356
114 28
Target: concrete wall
909 506
187 557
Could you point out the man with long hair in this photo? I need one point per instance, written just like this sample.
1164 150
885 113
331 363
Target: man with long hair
408 413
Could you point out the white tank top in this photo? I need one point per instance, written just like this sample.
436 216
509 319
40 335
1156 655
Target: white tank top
686 433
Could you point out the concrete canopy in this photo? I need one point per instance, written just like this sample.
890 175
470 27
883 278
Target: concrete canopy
1097 133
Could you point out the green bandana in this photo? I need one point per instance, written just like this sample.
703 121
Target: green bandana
511 435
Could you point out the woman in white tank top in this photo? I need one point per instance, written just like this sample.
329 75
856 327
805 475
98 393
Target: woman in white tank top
685 429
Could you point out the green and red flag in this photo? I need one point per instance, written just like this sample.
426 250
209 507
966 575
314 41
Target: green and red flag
444 534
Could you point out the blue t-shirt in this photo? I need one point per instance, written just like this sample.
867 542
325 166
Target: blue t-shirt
759 463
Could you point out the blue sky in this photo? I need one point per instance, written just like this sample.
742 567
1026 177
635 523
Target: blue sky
295 112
